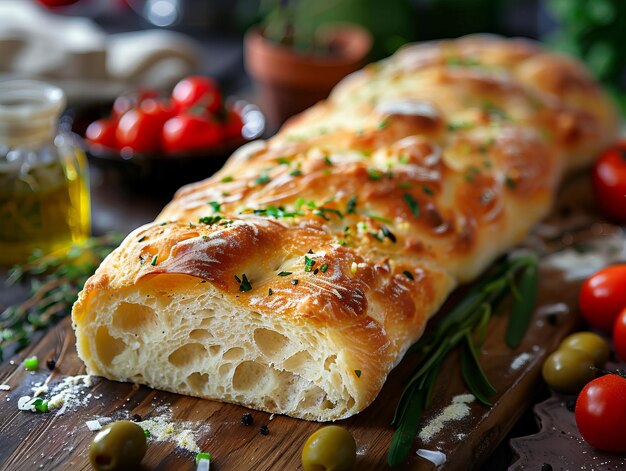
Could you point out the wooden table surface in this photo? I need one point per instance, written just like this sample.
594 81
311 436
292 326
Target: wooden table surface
50 441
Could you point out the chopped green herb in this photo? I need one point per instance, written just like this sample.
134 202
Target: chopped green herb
408 274
262 180
508 181
41 405
283 161
277 212
374 174
403 159
244 284
427 190
351 206
285 273
227 179
413 205
308 263
163 223
270 292
209 220
459 125
203 456
405 185
31 363
387 233
379 218
328 161
153 262
462 61
357 373
366 153
469 177
322 212
383 124
217 207
295 173
324 267
147 433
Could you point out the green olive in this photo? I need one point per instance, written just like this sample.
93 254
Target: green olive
330 448
592 344
119 446
567 371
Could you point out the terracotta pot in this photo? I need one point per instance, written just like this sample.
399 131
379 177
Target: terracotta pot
289 81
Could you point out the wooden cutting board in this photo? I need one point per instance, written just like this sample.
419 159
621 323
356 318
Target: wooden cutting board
49 441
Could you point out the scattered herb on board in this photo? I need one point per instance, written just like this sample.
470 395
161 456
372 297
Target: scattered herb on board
464 326
55 280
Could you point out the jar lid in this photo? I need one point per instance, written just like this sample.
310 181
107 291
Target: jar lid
29 110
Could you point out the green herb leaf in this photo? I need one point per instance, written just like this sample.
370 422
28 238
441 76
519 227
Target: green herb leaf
227 179
153 262
413 205
374 174
217 207
295 173
523 306
351 206
389 235
209 220
473 374
308 263
285 273
262 179
244 283
408 274
324 267
357 373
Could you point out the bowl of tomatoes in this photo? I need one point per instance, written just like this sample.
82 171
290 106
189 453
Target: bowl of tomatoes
158 143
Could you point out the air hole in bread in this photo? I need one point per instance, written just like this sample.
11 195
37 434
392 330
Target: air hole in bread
133 318
197 380
313 397
330 360
138 378
269 342
215 350
224 370
107 347
234 353
299 362
250 375
187 354
200 334
328 405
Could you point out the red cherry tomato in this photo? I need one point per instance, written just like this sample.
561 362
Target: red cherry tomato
609 182
128 101
140 129
603 296
619 334
197 91
601 413
189 132
102 132
232 125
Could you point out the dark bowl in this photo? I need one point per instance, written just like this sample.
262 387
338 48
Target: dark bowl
162 174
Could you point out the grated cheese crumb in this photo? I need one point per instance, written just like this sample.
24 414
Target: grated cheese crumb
93 425
458 410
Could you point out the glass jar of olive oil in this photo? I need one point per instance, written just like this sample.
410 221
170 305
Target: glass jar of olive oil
44 191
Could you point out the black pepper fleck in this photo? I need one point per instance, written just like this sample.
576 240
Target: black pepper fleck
571 405
552 319
137 418
51 364
546 467
247 419
264 430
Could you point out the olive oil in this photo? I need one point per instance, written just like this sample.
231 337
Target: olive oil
44 190
45 210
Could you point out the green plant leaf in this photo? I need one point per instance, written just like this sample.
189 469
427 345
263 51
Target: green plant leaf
473 374
404 435
523 306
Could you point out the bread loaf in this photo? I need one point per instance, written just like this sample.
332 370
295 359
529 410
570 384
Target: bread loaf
294 279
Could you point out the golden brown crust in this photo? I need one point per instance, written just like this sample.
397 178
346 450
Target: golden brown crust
413 176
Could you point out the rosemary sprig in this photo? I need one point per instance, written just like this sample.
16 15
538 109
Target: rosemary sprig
55 280
464 325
